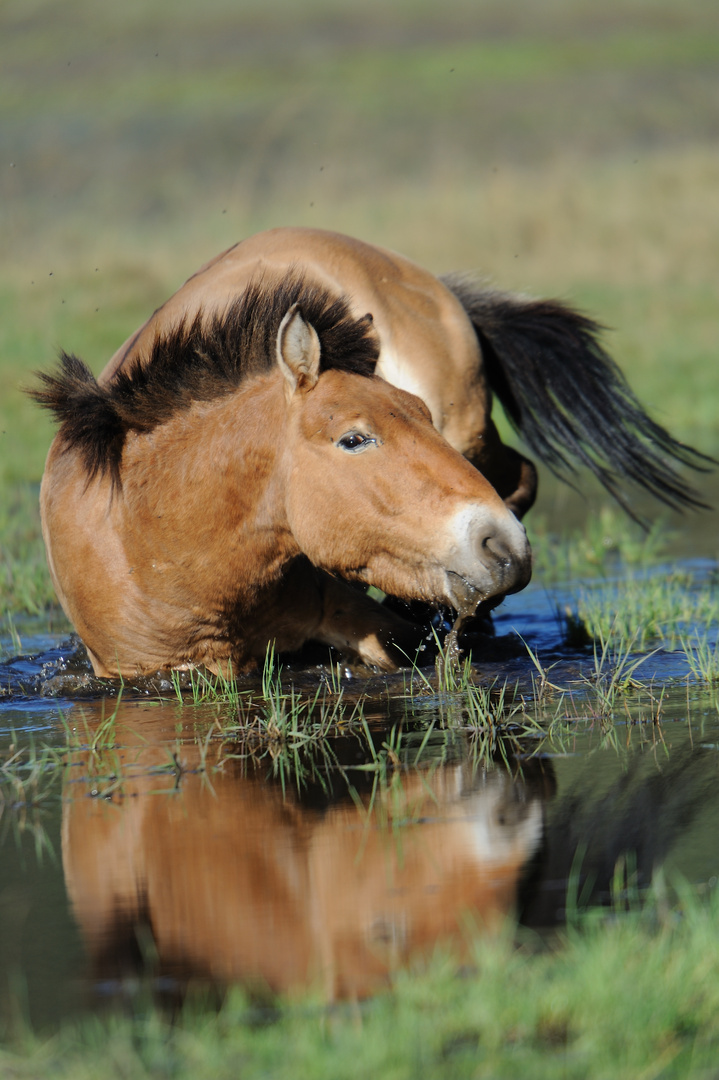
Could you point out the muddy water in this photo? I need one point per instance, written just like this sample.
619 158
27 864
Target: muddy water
154 854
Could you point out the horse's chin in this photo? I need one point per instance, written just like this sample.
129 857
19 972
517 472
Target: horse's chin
462 595
469 599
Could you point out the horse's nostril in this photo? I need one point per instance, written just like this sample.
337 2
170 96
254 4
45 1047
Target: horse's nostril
508 563
496 549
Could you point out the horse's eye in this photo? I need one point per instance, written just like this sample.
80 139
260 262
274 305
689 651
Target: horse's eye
353 442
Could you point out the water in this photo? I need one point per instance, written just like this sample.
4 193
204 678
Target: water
153 855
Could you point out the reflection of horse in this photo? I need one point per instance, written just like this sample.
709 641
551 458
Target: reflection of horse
238 884
192 502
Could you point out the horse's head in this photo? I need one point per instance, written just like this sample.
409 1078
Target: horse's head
375 493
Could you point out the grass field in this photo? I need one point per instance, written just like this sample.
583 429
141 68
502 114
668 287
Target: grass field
566 148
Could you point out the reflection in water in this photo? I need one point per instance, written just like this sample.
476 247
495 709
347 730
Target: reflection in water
182 876
217 876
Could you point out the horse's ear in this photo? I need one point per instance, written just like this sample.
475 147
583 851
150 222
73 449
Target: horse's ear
298 352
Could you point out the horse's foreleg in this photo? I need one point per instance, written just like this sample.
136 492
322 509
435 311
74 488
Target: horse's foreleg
522 497
353 621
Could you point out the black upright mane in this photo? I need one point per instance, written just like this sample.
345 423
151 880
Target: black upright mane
200 359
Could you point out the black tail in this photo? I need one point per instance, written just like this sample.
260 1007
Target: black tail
568 399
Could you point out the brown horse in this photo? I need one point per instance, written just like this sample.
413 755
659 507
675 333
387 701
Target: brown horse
198 506
195 493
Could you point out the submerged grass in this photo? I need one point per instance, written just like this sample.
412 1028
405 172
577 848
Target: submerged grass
27 774
630 993
200 687
289 720
275 710
29 784
614 676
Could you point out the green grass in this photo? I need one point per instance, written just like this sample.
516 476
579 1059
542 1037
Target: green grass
702 656
607 542
630 993
653 608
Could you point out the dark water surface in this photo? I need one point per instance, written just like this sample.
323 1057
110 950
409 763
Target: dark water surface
143 852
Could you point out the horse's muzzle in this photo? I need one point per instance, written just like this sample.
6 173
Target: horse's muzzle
490 557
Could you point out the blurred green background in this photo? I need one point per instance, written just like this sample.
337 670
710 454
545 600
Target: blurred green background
567 147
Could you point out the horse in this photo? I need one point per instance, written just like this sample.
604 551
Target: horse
162 556
220 494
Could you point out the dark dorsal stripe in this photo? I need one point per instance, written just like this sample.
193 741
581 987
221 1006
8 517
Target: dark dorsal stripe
200 359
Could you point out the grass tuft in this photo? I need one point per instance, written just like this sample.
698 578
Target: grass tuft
702 653
662 605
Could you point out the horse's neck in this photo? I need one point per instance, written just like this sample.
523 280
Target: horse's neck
215 472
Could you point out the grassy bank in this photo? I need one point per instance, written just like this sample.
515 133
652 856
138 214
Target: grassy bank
631 995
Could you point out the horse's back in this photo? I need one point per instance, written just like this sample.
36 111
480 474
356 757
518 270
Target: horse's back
427 344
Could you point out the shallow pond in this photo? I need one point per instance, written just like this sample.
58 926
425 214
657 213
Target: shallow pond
148 846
